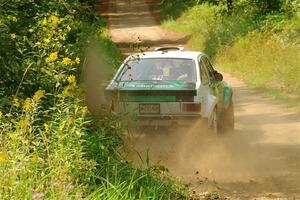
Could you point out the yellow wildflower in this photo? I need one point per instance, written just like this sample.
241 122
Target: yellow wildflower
34 158
66 61
45 22
65 92
48 60
47 40
54 20
38 95
14 19
3 157
45 29
71 120
16 102
53 56
72 79
63 38
23 124
46 126
1 115
51 33
69 28
38 44
84 110
26 104
77 60
14 136
13 35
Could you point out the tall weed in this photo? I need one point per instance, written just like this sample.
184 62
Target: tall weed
50 146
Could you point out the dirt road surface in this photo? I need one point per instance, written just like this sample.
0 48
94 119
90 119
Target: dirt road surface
139 28
259 160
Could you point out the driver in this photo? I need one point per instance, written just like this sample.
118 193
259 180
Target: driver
181 72
156 72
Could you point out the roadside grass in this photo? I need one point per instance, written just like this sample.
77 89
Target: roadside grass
115 177
266 64
263 51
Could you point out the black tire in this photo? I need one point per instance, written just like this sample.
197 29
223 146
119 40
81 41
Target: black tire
228 118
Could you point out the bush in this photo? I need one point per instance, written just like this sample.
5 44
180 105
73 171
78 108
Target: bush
50 146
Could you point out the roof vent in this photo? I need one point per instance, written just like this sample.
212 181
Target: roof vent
169 49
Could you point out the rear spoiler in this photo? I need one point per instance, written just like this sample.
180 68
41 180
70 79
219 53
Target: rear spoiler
169 49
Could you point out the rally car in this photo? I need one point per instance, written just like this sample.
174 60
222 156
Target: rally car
171 84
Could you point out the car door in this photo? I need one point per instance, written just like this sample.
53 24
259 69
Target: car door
216 87
221 89
207 88
204 86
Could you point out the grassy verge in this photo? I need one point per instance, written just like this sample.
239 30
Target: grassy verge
50 145
260 48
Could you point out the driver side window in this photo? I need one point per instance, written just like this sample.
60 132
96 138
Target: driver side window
203 73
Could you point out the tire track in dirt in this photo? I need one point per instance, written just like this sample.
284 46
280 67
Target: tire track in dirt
260 159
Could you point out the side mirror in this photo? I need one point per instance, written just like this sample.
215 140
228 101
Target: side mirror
218 76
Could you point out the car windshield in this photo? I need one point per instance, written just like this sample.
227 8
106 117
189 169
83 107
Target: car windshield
159 69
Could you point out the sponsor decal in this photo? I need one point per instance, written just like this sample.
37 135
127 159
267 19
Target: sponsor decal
149 98
161 85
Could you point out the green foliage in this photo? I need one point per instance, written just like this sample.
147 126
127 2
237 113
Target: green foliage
259 41
263 7
173 9
30 38
50 146
41 148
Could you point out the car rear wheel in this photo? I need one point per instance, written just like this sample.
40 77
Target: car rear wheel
228 118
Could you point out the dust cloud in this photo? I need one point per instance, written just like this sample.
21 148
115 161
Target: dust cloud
187 151
96 73
228 162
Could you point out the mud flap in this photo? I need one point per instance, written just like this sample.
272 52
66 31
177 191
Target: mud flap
211 101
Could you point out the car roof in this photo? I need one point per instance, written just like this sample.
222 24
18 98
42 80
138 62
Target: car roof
169 54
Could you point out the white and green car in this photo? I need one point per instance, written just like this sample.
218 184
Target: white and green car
172 85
